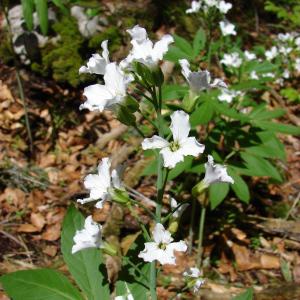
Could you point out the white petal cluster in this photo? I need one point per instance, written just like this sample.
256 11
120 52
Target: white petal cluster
297 65
200 80
253 75
194 275
286 74
86 26
232 60
227 28
143 50
100 97
178 213
100 184
205 5
272 53
97 63
162 248
215 173
228 95
88 237
181 146
249 55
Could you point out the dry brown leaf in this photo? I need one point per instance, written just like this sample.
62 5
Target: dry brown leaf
127 241
269 261
52 232
27 228
38 220
3 296
50 250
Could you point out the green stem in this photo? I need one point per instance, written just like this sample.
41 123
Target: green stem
200 237
139 131
127 260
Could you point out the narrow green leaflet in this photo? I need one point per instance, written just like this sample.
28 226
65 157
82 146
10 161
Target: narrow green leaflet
217 193
183 45
258 166
247 295
28 8
203 114
86 266
42 284
278 127
42 11
199 41
239 187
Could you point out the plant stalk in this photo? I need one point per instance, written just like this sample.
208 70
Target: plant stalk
200 236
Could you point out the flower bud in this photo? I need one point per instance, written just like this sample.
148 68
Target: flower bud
173 226
199 188
109 249
119 196
189 101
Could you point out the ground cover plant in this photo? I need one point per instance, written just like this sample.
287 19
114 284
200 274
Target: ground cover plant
185 197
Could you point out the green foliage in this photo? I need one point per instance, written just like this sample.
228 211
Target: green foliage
290 94
28 7
39 284
287 10
42 12
247 295
63 59
86 266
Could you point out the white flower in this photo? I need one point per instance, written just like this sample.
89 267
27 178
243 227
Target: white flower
249 55
268 75
194 276
177 214
182 145
227 28
97 63
286 74
162 249
232 60
143 49
272 53
211 3
215 173
224 7
285 37
285 50
101 184
88 237
297 65
195 7
200 80
87 27
228 95
297 42
100 97
253 75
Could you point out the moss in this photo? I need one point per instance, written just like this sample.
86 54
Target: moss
63 59
112 34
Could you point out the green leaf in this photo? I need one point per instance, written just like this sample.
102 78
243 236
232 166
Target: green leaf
239 187
28 6
42 11
61 6
183 45
278 127
136 281
170 92
217 193
262 113
181 167
247 295
86 266
199 41
174 54
42 284
224 109
202 114
258 166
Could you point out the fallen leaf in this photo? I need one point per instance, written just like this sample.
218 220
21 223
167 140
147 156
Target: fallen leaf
50 250
27 228
38 220
269 261
52 232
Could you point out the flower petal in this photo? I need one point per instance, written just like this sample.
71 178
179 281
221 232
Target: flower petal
156 142
180 125
138 33
161 47
171 158
161 235
190 146
185 68
98 96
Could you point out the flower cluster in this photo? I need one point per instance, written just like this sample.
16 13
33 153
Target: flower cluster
222 6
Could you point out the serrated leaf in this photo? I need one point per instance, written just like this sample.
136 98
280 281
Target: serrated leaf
217 193
199 41
183 45
174 54
86 266
42 12
42 284
258 166
278 127
28 9
202 114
